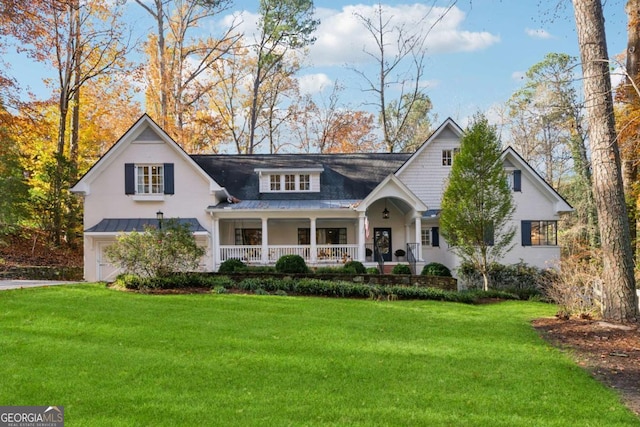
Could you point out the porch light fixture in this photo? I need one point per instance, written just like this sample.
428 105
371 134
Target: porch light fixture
159 217
385 212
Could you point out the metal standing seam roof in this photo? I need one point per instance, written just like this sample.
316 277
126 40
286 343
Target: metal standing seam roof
124 225
286 204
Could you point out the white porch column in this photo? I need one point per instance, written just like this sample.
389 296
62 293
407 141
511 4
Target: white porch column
215 243
418 238
265 241
314 241
361 238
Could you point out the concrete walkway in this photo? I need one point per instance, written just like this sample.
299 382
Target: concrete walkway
18 284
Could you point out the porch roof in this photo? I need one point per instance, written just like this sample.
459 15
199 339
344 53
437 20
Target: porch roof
126 225
286 204
431 213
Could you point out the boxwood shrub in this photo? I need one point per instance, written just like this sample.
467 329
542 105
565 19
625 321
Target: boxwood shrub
232 265
401 269
435 269
357 266
291 264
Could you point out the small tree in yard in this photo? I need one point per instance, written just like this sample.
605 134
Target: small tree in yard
157 252
477 204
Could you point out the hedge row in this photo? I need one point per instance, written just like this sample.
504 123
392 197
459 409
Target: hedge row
306 286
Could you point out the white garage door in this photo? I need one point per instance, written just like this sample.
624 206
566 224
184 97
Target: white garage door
106 271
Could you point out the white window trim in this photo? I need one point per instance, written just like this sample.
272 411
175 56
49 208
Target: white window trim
283 183
150 195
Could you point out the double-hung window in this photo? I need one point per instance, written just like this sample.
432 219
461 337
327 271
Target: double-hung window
305 182
448 155
149 179
275 182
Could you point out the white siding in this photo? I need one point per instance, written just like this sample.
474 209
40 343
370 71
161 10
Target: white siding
425 176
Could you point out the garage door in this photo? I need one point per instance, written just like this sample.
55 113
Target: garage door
106 271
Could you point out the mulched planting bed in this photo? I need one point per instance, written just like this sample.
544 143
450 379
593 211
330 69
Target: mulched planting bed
610 352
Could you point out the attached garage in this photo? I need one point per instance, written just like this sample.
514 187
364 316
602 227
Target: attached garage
102 235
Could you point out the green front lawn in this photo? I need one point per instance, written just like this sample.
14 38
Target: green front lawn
121 359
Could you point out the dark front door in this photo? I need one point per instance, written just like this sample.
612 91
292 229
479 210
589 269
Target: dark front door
382 243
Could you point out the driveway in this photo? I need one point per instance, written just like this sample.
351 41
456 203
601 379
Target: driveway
17 284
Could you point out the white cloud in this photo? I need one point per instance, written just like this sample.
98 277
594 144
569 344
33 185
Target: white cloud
538 33
314 83
342 38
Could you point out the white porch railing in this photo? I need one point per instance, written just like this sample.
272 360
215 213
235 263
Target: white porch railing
246 253
337 253
324 253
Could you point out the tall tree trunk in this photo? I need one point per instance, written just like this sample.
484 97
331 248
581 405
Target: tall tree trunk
619 296
629 165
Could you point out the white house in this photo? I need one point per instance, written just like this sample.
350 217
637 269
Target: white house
325 207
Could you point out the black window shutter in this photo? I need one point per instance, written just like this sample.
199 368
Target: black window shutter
517 180
129 179
435 236
489 234
168 178
526 233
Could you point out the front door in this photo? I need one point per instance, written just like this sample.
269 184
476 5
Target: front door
382 243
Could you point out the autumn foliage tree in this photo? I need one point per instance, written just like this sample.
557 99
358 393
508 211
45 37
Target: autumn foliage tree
178 74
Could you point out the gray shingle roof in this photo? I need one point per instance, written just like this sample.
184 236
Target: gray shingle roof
345 176
119 225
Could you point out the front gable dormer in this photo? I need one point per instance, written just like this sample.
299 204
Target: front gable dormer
289 180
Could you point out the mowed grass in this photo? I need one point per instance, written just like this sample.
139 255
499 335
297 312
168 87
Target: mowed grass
123 359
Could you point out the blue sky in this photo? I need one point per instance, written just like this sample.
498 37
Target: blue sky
477 52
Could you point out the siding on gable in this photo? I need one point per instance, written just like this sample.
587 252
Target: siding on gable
425 176
148 135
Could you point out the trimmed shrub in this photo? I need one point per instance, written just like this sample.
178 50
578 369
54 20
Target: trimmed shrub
401 269
520 279
329 270
373 270
232 265
357 266
435 269
259 269
292 264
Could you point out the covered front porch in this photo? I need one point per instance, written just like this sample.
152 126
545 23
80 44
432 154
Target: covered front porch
321 237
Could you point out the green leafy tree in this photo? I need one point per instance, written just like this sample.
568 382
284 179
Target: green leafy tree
13 186
477 204
284 25
157 252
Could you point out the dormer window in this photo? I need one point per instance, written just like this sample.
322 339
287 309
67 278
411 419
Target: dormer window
275 182
305 182
290 181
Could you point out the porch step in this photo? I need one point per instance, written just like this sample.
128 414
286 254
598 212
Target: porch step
388 268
